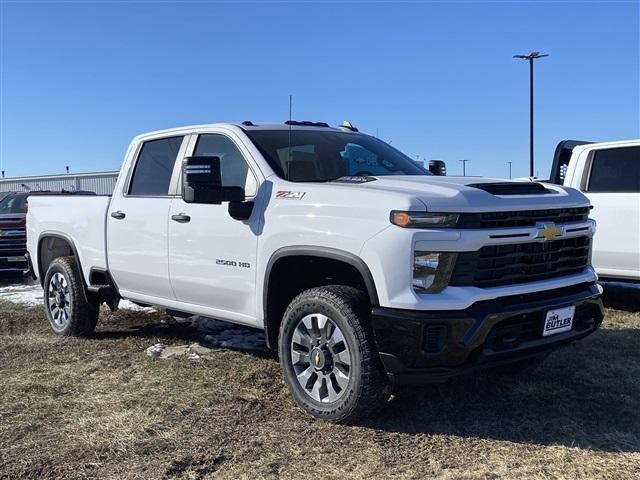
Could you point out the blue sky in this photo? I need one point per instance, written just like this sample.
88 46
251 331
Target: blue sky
437 79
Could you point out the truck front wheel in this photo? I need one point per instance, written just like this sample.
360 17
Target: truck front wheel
68 310
328 357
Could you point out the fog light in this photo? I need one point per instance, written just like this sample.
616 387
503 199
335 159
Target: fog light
432 270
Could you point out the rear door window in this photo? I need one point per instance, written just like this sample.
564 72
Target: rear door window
615 170
152 173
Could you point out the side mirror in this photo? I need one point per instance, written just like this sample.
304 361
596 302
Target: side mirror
438 167
202 182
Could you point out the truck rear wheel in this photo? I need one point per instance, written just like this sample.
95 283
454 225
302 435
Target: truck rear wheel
328 357
67 308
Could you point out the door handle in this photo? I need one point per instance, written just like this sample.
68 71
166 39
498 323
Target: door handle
181 218
118 215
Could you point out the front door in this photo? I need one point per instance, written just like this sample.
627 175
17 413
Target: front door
137 223
212 257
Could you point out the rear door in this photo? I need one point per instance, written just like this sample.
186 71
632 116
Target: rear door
612 183
212 257
137 222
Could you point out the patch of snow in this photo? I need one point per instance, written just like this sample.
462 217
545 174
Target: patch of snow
31 295
129 305
154 351
22 294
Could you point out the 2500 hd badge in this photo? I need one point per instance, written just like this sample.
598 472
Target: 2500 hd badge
232 263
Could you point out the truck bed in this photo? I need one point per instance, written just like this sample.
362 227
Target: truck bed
78 218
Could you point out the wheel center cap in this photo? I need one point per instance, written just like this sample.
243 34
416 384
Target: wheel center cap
318 358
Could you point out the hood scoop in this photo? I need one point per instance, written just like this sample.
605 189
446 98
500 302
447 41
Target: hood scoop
512 188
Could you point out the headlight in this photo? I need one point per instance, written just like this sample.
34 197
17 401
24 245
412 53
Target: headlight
423 219
432 270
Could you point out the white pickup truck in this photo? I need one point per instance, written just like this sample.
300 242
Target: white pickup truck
364 270
609 175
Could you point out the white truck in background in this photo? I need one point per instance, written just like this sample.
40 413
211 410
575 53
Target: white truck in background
363 269
608 174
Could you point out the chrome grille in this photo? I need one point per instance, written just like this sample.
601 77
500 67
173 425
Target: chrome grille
13 241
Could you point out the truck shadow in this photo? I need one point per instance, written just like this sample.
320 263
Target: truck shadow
622 297
210 333
586 395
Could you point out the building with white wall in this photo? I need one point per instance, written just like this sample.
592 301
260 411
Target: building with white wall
102 183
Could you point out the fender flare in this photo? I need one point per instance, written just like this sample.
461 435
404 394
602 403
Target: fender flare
43 236
321 252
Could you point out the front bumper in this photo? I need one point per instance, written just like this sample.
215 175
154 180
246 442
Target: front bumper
13 263
431 346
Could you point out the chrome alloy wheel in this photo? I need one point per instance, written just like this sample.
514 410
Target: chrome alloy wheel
58 300
320 357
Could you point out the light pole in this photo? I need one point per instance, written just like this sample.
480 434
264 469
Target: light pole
531 57
509 163
464 167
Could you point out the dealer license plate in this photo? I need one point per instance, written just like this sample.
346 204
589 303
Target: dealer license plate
558 321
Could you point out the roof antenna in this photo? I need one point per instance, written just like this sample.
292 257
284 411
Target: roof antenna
290 109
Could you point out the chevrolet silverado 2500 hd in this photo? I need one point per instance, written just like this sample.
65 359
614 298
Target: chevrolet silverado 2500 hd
363 269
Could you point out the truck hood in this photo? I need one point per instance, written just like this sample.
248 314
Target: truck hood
473 194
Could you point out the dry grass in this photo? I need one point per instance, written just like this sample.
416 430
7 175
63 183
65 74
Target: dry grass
100 408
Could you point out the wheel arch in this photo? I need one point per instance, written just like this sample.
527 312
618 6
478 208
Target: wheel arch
340 257
64 240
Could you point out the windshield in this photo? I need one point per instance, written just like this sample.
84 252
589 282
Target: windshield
13 204
320 155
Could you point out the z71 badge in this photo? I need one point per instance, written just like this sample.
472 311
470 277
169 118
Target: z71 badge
289 195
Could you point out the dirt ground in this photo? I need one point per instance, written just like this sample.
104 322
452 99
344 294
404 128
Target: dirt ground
100 408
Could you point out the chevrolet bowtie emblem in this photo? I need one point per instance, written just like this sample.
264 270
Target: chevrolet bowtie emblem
548 230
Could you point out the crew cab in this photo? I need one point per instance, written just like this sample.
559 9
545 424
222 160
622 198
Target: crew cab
364 270
608 174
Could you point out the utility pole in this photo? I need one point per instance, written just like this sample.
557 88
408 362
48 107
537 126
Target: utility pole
531 57
464 167
509 163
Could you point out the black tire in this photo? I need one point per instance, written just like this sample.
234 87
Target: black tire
348 312
521 367
78 316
